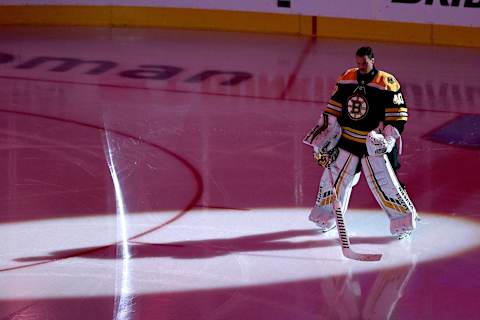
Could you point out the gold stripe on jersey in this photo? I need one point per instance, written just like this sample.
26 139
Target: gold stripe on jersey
396 118
400 109
334 108
335 103
333 112
396 114
359 132
354 135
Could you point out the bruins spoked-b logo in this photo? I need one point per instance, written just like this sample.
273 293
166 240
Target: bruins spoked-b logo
357 107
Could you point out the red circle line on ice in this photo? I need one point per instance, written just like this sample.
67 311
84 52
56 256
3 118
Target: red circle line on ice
191 204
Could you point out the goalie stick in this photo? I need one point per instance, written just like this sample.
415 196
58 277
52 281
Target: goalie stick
342 231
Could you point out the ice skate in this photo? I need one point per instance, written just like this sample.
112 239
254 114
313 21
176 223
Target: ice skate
404 235
323 218
402 227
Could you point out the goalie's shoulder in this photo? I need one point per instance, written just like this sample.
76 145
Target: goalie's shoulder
386 81
349 75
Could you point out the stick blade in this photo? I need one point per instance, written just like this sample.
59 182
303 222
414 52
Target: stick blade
348 253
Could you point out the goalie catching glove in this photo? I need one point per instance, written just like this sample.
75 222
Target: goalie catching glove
379 144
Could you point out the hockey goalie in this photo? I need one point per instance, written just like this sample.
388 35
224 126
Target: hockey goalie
358 132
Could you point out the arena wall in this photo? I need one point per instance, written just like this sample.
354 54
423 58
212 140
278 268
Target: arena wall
437 22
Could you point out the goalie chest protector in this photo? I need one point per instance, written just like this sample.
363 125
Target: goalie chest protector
361 102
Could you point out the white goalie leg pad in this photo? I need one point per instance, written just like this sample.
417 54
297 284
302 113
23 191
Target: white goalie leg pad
343 171
389 194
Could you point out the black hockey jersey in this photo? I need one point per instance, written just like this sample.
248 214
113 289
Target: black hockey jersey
361 102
